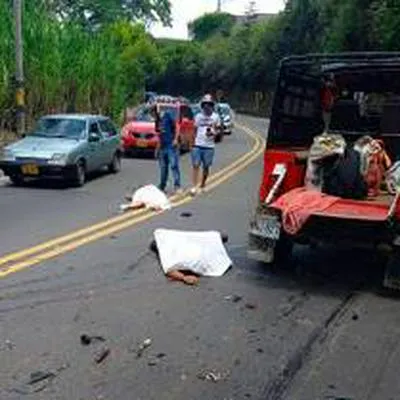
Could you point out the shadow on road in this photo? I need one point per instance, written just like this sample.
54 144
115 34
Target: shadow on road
55 183
325 270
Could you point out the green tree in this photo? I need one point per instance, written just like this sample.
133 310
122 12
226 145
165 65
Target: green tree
93 13
211 24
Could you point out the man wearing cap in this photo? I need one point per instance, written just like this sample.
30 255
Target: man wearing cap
206 125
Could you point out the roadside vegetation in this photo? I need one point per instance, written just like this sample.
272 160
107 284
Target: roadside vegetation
95 56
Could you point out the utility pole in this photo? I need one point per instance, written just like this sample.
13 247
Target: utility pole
219 6
19 72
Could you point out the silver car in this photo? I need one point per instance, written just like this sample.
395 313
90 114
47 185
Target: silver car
66 146
227 117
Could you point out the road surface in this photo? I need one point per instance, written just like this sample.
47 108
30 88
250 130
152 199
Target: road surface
319 332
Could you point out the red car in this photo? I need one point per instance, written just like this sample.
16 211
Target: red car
141 135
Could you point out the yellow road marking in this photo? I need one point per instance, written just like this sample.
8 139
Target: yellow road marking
67 243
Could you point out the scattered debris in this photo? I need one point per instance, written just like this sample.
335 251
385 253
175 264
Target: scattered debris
252 330
183 377
39 380
40 376
355 317
102 356
146 344
250 306
237 362
260 351
86 340
9 344
236 299
212 376
161 355
186 214
153 362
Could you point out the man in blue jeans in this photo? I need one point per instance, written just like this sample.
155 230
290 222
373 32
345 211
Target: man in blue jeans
168 150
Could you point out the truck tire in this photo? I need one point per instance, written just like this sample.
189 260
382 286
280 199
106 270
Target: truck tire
284 251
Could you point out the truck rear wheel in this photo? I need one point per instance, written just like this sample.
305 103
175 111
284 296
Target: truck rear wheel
283 250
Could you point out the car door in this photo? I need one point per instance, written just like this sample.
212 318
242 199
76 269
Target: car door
111 138
97 155
187 125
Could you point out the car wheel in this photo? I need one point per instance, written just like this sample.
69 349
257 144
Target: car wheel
115 165
17 180
80 174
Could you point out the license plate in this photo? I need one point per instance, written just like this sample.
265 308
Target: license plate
141 143
269 227
30 169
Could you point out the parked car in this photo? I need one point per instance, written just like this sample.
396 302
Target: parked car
141 134
65 146
226 115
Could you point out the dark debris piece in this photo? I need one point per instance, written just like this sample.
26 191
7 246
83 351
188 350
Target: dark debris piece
102 356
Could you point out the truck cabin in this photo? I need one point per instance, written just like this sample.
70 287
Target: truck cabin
364 99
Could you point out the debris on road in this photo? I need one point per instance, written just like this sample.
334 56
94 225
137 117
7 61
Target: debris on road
146 344
39 381
150 197
40 376
186 214
234 298
250 306
102 355
86 340
186 255
8 344
355 317
213 376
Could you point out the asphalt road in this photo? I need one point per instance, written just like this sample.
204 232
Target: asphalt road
319 332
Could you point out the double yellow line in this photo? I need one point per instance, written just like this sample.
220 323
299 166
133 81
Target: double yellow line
20 260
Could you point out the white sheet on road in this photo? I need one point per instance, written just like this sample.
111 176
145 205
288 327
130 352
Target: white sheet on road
150 197
200 252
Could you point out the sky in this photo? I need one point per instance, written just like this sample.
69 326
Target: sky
184 11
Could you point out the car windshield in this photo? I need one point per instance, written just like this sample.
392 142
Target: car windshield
145 114
60 127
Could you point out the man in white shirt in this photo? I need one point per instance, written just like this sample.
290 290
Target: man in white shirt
206 125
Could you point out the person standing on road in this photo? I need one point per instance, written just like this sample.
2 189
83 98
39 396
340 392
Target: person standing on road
206 125
167 150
